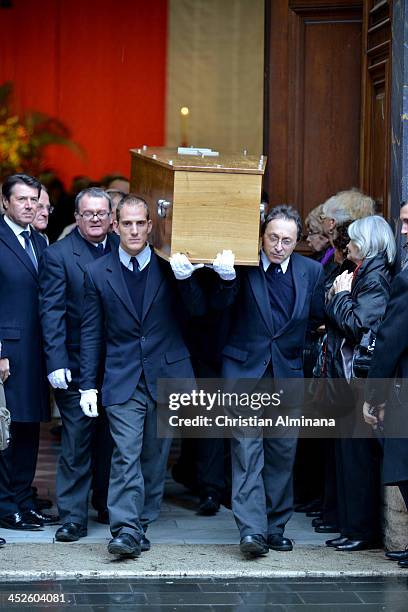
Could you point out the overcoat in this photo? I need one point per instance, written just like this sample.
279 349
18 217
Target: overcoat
26 389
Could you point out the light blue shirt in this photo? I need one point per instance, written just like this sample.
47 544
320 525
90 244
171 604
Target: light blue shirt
143 257
266 263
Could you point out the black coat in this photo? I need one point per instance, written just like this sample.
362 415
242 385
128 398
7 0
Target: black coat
390 359
61 276
153 343
253 343
20 330
352 313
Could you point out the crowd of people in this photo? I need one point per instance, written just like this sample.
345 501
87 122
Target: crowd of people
98 317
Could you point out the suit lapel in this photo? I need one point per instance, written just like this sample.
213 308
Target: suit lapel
299 281
257 281
117 282
153 282
11 240
81 252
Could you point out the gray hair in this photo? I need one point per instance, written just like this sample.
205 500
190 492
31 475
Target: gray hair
348 206
92 192
372 235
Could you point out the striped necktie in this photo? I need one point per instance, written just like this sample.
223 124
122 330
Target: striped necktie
29 248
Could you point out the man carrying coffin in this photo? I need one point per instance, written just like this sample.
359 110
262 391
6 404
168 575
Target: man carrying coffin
133 312
275 303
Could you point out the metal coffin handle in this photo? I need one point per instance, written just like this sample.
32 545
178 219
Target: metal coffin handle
162 206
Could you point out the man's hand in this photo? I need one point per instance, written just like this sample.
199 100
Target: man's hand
223 265
89 402
374 415
343 282
4 369
59 379
182 267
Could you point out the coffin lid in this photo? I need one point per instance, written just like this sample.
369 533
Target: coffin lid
224 162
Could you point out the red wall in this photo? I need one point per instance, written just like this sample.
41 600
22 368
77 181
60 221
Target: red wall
99 66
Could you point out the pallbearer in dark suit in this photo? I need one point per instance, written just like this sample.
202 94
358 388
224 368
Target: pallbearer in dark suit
131 310
61 300
275 304
22 366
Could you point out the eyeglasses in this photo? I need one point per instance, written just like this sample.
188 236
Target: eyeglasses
88 215
285 242
50 209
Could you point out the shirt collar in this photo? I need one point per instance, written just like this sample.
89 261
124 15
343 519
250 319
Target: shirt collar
17 229
266 263
143 257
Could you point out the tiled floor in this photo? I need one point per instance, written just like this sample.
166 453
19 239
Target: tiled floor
308 595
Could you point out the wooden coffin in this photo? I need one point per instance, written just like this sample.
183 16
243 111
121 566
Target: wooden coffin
200 205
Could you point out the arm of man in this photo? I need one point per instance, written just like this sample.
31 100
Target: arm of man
391 341
52 303
92 334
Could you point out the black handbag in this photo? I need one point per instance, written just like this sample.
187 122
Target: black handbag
362 355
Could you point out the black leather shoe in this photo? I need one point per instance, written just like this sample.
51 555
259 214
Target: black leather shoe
403 563
278 542
15 521
354 545
70 532
327 529
144 544
253 546
103 517
397 555
336 542
124 545
314 514
2 542
35 517
209 506
317 522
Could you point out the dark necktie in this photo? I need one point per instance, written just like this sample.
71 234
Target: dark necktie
100 249
273 269
29 248
135 265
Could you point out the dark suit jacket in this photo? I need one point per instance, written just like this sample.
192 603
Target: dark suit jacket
253 342
20 328
390 359
153 344
61 277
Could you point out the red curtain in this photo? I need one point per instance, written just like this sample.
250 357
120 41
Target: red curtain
98 66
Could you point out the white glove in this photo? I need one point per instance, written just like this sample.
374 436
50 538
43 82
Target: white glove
182 267
223 265
59 379
89 402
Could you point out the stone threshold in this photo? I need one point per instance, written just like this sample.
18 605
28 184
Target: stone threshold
75 561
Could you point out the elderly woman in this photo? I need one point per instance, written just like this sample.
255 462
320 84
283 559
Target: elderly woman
323 251
343 207
356 305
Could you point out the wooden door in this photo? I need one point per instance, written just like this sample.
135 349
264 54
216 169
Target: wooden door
312 99
376 113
